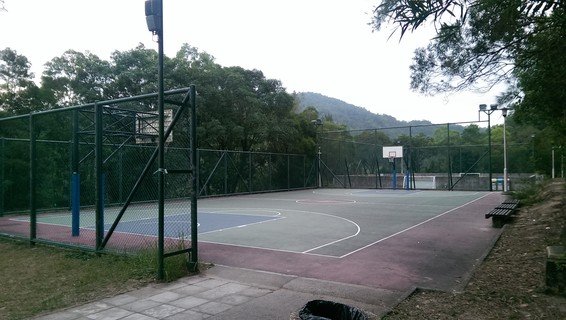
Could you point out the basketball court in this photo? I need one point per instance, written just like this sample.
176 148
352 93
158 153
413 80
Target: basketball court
392 239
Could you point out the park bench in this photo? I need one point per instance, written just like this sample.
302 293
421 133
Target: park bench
502 213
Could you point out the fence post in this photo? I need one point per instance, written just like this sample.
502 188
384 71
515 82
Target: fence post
32 180
304 170
250 188
226 155
75 178
449 158
412 184
288 172
2 153
121 176
193 257
99 190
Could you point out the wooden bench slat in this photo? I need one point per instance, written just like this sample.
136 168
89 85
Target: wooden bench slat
502 212
498 212
510 206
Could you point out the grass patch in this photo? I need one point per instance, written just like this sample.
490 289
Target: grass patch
40 279
530 193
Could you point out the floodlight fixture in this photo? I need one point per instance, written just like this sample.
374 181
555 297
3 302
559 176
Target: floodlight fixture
493 106
483 107
153 15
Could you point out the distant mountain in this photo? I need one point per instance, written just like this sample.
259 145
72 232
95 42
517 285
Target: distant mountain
355 117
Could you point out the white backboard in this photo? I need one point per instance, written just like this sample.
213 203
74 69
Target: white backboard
393 152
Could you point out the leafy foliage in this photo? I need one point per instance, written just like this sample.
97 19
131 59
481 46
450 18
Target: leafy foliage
18 93
238 109
481 43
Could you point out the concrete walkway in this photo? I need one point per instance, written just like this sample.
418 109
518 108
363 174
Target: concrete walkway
230 293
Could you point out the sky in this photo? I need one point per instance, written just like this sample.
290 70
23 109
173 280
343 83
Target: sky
319 46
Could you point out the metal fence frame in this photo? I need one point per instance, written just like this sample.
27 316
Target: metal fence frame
99 133
338 158
94 146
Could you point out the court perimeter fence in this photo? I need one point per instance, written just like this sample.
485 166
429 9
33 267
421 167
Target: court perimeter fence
86 176
451 156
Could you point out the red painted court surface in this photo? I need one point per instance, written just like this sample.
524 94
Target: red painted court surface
392 239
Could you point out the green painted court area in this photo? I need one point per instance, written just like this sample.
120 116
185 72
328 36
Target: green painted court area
334 222
323 222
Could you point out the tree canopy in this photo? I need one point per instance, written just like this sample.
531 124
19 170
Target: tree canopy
481 43
239 109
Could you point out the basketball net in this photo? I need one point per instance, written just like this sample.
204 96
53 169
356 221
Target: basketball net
392 155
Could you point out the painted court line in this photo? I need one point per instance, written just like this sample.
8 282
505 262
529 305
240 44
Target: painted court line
412 227
339 240
307 252
316 201
242 225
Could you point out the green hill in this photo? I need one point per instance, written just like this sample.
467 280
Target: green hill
355 117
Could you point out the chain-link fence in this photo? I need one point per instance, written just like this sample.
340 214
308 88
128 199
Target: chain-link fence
446 156
224 172
83 175
87 176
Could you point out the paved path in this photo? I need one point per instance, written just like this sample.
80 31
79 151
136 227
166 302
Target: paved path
230 293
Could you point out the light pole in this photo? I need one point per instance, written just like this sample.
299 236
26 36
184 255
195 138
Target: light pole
505 176
154 20
489 111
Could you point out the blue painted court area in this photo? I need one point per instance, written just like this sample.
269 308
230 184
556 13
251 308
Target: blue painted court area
179 225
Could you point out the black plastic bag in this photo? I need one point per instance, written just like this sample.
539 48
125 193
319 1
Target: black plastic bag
328 310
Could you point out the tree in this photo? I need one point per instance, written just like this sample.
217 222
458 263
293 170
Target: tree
135 72
480 43
542 79
77 78
476 39
18 93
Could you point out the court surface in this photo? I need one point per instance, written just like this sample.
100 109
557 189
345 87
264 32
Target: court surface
393 239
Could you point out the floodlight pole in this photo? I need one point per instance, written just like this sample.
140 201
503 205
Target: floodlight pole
154 19
161 164
483 108
505 175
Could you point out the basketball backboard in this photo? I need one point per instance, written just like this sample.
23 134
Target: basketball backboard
147 126
393 152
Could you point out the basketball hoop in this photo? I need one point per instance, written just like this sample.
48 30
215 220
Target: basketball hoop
392 156
392 152
147 126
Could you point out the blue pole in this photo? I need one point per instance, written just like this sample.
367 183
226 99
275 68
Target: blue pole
75 203
394 182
